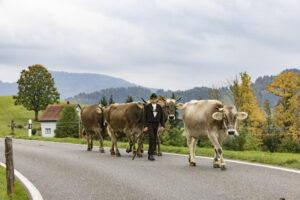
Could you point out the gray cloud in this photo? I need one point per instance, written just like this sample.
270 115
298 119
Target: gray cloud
190 43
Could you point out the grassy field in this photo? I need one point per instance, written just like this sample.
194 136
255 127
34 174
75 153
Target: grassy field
20 192
21 115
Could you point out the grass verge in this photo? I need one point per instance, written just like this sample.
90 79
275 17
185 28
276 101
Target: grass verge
20 192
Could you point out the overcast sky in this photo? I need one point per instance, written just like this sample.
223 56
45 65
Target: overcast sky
170 44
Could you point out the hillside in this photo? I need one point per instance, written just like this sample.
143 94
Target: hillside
70 84
120 94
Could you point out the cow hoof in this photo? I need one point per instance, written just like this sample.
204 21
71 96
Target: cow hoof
223 167
112 153
154 153
139 155
118 154
193 164
216 165
142 150
102 151
134 151
159 154
128 150
89 149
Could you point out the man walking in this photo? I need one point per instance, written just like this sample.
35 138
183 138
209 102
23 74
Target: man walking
153 116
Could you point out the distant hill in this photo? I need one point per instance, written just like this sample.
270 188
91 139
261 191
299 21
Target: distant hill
120 94
70 84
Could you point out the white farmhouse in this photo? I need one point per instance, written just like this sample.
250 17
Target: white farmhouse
51 115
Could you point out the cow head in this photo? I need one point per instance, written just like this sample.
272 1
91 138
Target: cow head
169 106
229 116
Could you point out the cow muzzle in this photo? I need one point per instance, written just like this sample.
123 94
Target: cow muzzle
232 132
171 117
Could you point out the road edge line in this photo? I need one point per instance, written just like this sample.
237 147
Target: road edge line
32 190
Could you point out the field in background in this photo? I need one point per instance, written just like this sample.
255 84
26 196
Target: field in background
21 115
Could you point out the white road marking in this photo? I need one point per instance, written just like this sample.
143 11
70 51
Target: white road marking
33 191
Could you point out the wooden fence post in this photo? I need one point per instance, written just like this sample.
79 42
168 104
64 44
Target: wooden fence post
10 175
12 125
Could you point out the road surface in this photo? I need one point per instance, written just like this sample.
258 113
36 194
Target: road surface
68 171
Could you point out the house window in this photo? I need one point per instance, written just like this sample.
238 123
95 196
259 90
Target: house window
48 130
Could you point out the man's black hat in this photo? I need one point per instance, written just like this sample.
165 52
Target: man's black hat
153 96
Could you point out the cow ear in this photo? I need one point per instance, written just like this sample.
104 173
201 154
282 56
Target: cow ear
98 110
179 98
179 105
140 105
242 115
161 98
217 116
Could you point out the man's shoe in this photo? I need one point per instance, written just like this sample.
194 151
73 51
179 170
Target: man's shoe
150 157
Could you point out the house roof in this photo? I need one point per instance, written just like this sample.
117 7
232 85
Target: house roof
52 112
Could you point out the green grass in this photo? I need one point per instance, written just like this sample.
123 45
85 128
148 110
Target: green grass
21 115
20 192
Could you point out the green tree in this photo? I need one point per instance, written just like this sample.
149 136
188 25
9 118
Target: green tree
111 100
67 125
103 101
36 89
268 113
129 99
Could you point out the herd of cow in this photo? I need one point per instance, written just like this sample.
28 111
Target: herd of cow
203 119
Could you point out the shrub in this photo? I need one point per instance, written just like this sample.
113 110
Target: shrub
174 137
287 145
67 124
271 142
33 132
235 143
250 143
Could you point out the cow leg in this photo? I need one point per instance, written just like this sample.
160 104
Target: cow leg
140 151
159 153
134 139
218 150
190 143
113 138
100 138
92 137
88 141
128 150
216 161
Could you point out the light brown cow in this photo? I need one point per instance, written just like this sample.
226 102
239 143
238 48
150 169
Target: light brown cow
209 119
92 118
124 118
169 108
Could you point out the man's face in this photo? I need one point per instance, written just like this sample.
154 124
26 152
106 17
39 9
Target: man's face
153 100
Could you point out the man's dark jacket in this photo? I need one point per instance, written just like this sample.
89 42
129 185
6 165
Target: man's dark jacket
149 117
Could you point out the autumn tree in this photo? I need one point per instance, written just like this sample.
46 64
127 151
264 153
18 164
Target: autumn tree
286 113
36 89
243 98
129 99
215 93
268 113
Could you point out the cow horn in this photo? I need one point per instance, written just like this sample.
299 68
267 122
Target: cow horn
179 98
220 109
144 100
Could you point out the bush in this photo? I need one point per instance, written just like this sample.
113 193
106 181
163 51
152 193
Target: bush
33 132
287 145
174 137
271 142
235 143
67 124
251 143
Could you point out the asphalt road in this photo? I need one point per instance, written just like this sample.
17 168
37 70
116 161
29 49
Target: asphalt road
68 171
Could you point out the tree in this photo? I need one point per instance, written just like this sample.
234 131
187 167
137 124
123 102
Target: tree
268 113
103 101
286 113
67 124
242 95
36 89
111 100
215 93
129 99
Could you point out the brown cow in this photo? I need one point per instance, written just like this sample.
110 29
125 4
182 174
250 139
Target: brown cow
92 118
209 119
124 118
169 108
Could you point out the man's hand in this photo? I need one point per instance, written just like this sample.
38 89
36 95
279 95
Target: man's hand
162 129
146 129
